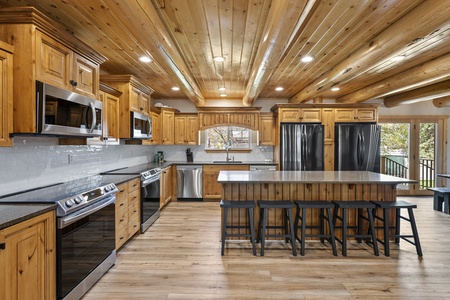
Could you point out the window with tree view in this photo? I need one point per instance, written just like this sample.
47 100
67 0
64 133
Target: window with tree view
221 137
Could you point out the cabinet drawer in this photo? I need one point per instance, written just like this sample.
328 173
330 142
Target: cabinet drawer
133 197
121 236
133 210
121 202
133 227
123 190
133 184
121 218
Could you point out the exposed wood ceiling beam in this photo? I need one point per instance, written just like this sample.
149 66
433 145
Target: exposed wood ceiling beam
442 102
140 16
382 47
429 92
275 41
430 72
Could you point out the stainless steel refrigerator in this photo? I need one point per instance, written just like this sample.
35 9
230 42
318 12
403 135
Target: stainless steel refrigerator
301 147
357 147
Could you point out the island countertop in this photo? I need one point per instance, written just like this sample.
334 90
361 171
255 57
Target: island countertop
356 177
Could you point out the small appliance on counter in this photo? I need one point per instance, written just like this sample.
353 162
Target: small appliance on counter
189 155
159 157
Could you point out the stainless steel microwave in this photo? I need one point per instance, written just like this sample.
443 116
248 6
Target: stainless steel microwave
65 113
141 126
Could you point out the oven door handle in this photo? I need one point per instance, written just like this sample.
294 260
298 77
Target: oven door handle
147 182
67 220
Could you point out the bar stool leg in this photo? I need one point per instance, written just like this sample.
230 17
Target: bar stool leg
344 232
263 230
224 226
374 234
302 241
252 231
321 224
412 220
386 230
331 228
294 248
359 229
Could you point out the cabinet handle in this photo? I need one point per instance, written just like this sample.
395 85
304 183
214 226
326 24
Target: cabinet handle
73 82
2 246
121 204
121 191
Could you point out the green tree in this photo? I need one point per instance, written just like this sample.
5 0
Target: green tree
394 138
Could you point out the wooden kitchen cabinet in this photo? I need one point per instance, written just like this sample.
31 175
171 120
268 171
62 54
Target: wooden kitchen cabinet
60 66
310 115
28 259
212 190
228 116
167 186
186 129
167 117
6 93
267 124
135 97
156 126
48 52
127 211
365 114
110 98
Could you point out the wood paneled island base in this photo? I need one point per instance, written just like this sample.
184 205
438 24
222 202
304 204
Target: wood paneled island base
305 185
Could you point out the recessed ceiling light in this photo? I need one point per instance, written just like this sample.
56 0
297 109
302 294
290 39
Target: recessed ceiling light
145 59
279 88
307 58
398 58
223 95
222 88
335 89
175 88
219 58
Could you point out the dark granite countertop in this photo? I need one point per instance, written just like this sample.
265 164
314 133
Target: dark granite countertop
118 178
356 177
11 214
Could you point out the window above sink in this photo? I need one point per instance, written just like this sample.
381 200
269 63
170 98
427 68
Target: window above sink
228 138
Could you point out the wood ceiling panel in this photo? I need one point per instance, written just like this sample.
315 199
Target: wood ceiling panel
352 41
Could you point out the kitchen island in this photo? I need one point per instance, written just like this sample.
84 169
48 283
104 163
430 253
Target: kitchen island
305 185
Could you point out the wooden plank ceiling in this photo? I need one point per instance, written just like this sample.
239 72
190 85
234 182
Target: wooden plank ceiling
352 42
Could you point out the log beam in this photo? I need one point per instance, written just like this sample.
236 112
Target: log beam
141 16
394 39
442 102
430 72
283 14
429 92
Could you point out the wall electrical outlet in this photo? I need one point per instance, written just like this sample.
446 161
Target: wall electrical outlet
70 158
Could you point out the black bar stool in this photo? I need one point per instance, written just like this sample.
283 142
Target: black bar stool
288 234
360 206
323 206
249 205
397 205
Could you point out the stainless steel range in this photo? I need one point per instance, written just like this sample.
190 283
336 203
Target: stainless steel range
85 211
150 191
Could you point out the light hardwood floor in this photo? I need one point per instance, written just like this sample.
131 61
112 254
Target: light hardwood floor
179 258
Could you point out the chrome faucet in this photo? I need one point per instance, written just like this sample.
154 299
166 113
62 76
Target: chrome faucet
228 145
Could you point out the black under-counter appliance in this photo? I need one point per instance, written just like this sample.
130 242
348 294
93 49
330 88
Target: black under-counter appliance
85 230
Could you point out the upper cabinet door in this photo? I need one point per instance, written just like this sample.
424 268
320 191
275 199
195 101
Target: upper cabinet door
53 61
6 96
85 78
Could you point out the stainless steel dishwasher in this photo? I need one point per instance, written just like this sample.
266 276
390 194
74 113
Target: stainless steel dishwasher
189 182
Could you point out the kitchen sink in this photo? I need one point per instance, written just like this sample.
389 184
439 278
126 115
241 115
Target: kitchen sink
227 162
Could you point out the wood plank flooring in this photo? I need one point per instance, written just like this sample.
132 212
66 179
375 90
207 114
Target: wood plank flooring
179 258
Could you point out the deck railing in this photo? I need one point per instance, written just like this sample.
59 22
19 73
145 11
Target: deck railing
393 167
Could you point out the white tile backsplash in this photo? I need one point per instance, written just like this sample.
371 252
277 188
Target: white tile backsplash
34 162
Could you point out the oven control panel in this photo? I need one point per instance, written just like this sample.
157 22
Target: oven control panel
150 173
76 202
